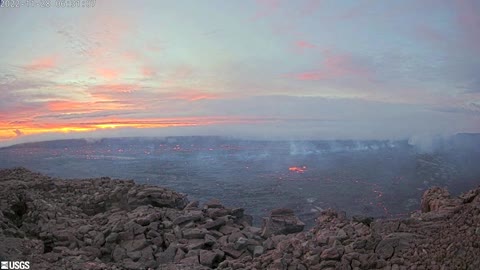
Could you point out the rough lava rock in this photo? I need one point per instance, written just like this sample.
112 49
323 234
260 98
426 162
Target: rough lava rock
107 223
281 221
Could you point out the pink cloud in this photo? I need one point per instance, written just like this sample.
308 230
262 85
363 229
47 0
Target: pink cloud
148 71
132 56
66 105
335 66
304 44
429 34
109 30
468 18
183 72
42 64
107 73
115 92
266 8
115 88
70 106
154 47
355 11
286 29
310 7
180 74
194 95
312 76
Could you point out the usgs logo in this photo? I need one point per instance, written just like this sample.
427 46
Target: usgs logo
9 265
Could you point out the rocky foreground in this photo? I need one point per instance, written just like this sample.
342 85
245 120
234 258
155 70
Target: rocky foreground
116 224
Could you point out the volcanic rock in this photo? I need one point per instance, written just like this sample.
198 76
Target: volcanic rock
105 223
281 221
436 199
210 258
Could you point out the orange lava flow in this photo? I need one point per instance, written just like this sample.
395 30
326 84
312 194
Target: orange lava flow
298 169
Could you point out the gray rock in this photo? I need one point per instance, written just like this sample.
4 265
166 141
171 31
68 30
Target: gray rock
257 251
187 218
85 229
209 258
192 205
281 221
119 254
91 252
215 224
190 261
134 255
342 235
166 256
213 203
143 221
157 241
230 251
393 243
152 234
194 233
131 265
195 244
146 258
330 254
179 255
227 229
136 244
99 240
217 212
210 240
241 243
112 237
169 238
157 197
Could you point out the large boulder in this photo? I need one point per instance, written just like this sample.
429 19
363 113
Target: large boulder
155 196
281 221
434 199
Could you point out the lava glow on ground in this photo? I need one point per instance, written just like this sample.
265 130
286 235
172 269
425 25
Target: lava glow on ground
320 177
298 169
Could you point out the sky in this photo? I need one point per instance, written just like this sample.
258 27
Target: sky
267 69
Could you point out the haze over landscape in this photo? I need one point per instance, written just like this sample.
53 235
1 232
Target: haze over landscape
256 134
266 69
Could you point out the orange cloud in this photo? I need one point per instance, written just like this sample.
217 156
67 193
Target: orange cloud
42 64
12 130
65 106
113 92
194 95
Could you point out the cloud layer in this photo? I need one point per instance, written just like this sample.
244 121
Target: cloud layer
257 69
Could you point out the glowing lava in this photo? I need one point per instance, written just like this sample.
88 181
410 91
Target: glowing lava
298 169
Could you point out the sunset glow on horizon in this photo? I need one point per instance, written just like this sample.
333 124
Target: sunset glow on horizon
257 69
